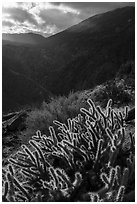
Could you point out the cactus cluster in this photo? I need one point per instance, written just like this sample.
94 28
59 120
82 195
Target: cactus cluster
79 162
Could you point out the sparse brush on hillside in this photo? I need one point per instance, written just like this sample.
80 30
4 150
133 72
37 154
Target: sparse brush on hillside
86 160
127 72
63 107
60 108
116 91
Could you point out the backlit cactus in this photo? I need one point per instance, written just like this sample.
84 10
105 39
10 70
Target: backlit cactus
65 165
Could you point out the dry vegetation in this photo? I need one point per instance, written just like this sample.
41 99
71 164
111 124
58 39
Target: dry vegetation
78 144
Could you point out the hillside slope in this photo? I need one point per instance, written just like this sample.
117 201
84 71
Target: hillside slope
24 38
19 90
80 57
93 51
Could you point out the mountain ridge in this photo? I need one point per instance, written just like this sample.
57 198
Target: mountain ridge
70 60
6 36
23 38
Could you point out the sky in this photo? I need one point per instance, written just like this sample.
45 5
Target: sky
50 18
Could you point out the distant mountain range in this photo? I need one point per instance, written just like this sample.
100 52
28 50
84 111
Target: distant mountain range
24 38
78 58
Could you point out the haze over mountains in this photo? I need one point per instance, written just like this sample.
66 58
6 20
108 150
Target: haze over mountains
24 38
87 54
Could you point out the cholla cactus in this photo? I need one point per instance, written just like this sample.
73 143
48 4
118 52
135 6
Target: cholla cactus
80 158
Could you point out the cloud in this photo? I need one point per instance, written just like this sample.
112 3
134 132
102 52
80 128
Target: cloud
49 18
88 9
19 15
7 23
43 17
61 19
84 6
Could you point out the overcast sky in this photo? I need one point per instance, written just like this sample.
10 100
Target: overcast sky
49 18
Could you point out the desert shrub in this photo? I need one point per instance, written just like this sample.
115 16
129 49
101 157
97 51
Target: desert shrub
117 91
85 161
127 70
60 108
63 107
